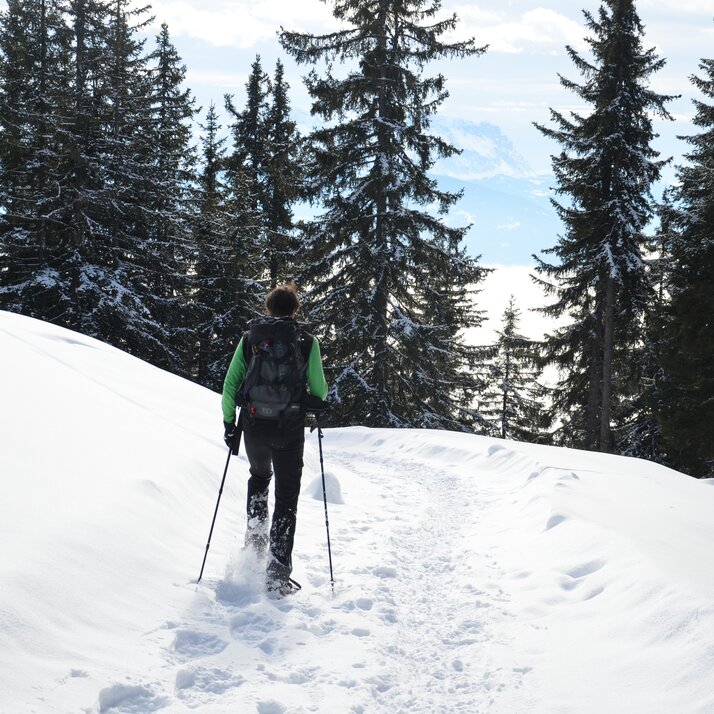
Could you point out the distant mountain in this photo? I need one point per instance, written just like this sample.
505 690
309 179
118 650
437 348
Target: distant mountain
486 152
506 202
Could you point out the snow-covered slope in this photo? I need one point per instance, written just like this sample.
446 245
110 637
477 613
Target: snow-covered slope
473 575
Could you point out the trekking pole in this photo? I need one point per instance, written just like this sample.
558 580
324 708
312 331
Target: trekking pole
220 493
324 495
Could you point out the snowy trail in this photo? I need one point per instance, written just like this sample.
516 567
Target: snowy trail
443 588
417 619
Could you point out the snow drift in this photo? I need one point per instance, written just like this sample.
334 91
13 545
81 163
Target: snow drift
473 574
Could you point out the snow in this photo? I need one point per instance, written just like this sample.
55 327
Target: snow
472 574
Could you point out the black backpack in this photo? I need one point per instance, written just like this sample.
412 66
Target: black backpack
276 352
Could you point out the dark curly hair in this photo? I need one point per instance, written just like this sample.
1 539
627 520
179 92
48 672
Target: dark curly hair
282 301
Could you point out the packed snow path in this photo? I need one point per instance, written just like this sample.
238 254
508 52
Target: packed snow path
435 609
416 621
472 574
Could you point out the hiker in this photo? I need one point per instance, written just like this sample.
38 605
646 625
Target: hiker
275 372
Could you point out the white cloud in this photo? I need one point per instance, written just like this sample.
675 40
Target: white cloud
209 78
244 24
678 6
240 24
459 217
538 193
509 226
683 118
474 15
538 27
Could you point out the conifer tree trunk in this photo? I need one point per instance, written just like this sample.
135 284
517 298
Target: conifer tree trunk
380 230
504 416
607 360
80 117
594 403
43 75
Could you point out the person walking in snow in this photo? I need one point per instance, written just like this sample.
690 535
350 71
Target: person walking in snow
275 376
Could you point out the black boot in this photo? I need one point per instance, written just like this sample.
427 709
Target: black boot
278 582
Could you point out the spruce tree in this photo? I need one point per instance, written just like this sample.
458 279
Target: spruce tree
227 294
686 413
513 403
121 217
283 177
388 279
605 170
246 163
640 434
446 359
35 87
113 181
94 169
171 159
112 178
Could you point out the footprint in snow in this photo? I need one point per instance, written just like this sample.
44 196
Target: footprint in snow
554 521
363 603
495 449
270 707
252 627
580 571
190 645
577 575
384 571
380 684
205 680
389 616
129 699
269 646
565 482
594 593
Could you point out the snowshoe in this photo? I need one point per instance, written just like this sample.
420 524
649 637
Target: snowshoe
279 587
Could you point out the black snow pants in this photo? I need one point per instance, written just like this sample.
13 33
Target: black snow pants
279 448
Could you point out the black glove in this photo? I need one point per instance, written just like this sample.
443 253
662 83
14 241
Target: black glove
231 435
315 405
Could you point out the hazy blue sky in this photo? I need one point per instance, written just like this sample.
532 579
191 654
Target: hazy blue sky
511 86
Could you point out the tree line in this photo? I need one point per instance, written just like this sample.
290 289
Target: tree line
119 220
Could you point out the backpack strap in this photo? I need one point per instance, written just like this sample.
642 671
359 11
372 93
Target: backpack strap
247 353
306 340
